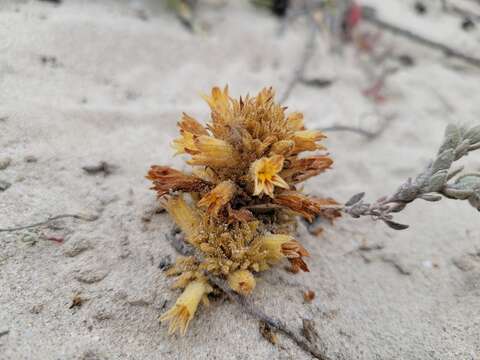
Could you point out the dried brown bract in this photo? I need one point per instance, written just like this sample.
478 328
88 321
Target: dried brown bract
238 207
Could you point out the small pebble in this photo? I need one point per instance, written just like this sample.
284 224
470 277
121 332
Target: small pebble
29 239
420 8
102 167
30 159
165 262
36 309
92 275
103 314
308 296
4 185
427 264
468 24
76 245
5 162
406 60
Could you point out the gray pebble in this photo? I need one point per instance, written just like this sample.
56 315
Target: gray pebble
466 262
30 159
4 185
76 245
102 314
92 275
5 162
165 262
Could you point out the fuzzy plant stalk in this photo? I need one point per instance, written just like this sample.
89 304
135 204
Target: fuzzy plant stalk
237 207
440 179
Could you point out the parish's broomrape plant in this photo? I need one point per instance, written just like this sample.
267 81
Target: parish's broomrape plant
237 207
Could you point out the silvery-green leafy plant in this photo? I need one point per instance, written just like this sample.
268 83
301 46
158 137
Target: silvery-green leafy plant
439 179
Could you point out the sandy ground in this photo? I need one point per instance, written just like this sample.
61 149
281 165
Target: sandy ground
89 81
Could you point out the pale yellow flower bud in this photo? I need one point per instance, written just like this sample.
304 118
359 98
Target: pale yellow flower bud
185 307
185 216
242 282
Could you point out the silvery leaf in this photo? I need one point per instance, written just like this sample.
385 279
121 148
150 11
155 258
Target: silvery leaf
355 199
455 193
443 161
452 139
473 134
430 197
437 181
475 201
395 226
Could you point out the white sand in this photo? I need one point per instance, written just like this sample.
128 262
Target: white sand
115 92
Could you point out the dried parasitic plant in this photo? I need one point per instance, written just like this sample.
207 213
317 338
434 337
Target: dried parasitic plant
238 206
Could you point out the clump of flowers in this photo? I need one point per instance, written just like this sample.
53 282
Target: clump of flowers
239 204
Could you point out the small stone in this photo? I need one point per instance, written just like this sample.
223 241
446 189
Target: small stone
309 330
165 262
101 167
420 8
102 314
466 262
427 264
77 301
308 296
29 239
76 245
468 24
124 247
36 309
30 159
5 162
397 263
141 293
92 355
92 275
4 185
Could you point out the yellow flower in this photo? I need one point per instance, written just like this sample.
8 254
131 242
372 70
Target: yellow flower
218 197
242 282
306 140
308 207
189 128
165 180
282 147
265 175
184 309
213 152
219 100
301 169
191 125
295 121
185 143
185 216
279 246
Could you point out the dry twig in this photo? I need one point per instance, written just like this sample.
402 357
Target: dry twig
41 223
371 17
308 51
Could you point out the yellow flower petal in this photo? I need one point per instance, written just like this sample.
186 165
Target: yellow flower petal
218 197
265 175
